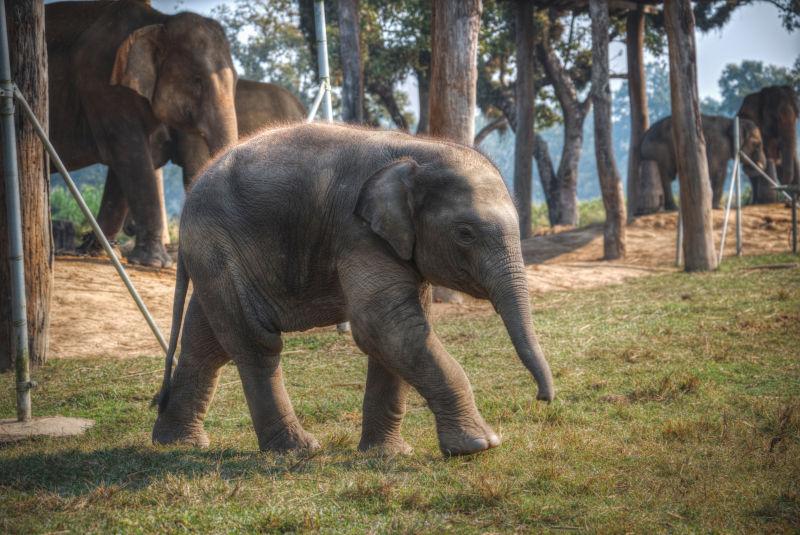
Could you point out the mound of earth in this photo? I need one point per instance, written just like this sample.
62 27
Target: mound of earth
93 315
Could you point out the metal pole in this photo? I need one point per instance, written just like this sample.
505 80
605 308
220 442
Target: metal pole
322 57
761 172
90 218
737 178
728 209
679 240
19 313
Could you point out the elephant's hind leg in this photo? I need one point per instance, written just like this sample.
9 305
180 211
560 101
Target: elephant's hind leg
274 420
384 408
193 384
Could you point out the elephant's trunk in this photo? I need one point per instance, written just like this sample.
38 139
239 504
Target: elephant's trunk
510 297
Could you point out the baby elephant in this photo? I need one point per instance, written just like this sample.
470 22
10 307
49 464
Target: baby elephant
657 145
311 225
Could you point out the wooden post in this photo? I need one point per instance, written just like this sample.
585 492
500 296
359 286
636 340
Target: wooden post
352 69
610 183
29 72
687 133
637 93
162 201
453 82
524 139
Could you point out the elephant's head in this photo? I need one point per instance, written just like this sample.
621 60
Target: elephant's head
184 69
752 145
455 221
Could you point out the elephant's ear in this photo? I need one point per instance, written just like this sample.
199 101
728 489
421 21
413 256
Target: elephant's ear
385 203
136 64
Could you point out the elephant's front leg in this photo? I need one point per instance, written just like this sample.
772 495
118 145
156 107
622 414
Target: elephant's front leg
389 324
383 410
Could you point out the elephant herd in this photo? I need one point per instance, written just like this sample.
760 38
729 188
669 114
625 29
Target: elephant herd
303 225
767 131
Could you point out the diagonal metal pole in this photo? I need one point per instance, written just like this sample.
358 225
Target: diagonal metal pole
19 312
90 218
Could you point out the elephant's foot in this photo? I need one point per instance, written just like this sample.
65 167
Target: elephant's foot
166 431
394 445
464 440
90 245
289 438
152 254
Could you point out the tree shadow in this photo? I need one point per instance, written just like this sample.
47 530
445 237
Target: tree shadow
539 249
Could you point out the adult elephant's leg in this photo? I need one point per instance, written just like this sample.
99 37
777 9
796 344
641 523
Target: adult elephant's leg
383 411
137 179
193 384
667 174
390 324
111 216
717 173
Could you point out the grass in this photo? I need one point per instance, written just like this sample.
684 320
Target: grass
678 409
589 212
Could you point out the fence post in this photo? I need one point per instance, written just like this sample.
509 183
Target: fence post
737 178
322 58
13 213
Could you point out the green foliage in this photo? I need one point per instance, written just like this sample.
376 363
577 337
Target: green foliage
738 81
678 408
63 206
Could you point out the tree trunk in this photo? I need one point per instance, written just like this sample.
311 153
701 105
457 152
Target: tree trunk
423 90
29 71
547 176
454 71
454 75
687 135
524 139
610 184
352 68
637 93
574 112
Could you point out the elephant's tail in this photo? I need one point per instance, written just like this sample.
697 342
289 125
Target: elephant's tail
181 287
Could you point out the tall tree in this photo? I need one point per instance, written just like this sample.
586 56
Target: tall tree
524 140
610 184
573 112
687 133
640 120
454 51
352 68
29 72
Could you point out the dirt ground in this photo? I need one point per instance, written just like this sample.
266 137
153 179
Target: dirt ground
92 314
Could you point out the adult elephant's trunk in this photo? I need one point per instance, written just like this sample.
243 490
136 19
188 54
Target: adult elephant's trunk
510 297
195 150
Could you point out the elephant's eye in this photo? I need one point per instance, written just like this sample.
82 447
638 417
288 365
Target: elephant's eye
464 235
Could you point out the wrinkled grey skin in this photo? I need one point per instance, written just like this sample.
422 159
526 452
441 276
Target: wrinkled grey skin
310 225
120 75
657 145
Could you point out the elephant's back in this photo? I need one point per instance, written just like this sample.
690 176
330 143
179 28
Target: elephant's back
259 105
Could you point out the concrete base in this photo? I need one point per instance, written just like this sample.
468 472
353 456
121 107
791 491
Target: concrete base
50 426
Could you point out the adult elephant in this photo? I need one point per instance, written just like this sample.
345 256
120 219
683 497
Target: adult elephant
657 145
258 105
121 74
774 109
307 225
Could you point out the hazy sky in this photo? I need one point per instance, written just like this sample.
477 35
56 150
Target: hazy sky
755 32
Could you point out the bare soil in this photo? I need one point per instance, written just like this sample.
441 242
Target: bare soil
93 315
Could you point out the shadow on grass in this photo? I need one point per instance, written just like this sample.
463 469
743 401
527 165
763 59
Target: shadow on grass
75 472
539 249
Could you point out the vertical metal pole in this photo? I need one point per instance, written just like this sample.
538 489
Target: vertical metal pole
737 177
322 58
794 222
19 313
679 240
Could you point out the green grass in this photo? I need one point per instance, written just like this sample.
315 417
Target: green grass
589 212
64 207
678 409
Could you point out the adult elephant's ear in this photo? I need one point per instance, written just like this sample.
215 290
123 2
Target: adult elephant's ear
136 64
385 203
